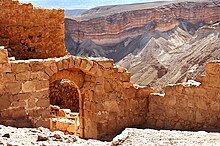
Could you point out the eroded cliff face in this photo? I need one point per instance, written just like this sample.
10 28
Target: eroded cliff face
159 43
112 24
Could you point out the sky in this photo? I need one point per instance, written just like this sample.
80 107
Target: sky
80 4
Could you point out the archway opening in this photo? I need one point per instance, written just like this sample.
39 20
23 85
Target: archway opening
64 99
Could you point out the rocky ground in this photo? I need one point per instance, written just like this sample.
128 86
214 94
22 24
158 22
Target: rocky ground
43 137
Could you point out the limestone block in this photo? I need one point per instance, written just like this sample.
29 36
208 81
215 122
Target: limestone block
60 65
125 77
43 123
9 77
19 113
78 62
65 63
42 85
43 102
5 102
51 69
61 113
37 66
40 75
83 63
106 63
6 67
62 125
94 69
2 88
3 55
121 70
72 128
18 67
29 86
71 62
13 87
24 76
32 102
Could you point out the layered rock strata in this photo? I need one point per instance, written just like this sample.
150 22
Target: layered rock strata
112 24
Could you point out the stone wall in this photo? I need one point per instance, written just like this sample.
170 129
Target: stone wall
189 106
31 32
108 101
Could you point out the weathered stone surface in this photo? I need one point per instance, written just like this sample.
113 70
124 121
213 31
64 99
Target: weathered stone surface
29 86
13 87
22 36
3 55
189 106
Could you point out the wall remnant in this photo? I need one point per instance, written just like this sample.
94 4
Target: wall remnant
188 106
108 101
29 32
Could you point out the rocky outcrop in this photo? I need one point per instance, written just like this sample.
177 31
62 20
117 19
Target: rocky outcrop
112 24
174 56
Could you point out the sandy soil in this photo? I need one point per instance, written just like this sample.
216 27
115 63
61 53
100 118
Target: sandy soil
10 136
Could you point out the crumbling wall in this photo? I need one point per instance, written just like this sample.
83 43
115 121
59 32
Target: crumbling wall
189 106
108 101
29 32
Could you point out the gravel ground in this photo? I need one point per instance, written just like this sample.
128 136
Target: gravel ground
10 136
140 137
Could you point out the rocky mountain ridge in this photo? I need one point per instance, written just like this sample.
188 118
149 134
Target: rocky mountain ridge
150 39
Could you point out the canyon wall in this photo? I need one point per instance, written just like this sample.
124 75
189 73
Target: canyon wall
29 32
189 106
110 25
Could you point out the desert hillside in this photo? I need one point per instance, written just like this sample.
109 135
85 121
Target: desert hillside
159 42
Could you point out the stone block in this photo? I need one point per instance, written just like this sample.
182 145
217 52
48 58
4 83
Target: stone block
4 102
24 76
6 67
72 62
13 87
9 77
42 85
29 86
60 65
19 113
37 66
18 67
40 75
125 77
43 102
43 123
3 55
106 63
2 88
66 63
61 113
72 128
62 125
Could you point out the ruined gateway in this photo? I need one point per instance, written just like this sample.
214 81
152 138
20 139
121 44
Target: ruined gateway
33 58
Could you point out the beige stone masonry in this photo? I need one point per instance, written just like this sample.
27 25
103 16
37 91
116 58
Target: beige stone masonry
188 106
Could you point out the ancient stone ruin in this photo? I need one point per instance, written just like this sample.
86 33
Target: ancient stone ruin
96 98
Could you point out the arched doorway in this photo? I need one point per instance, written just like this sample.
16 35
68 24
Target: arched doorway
64 94
65 99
